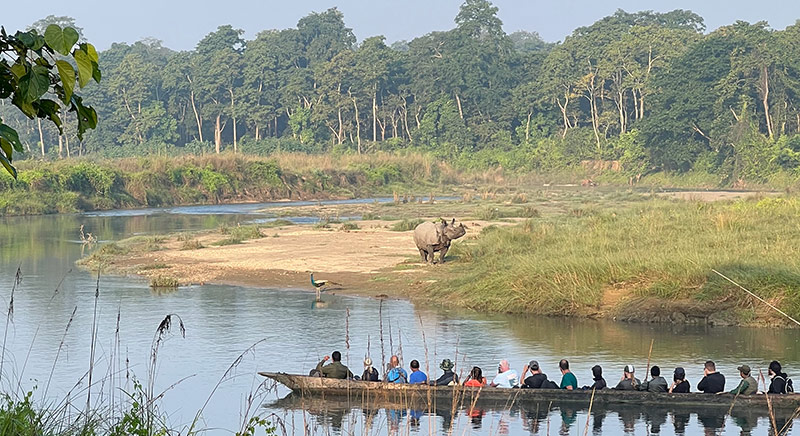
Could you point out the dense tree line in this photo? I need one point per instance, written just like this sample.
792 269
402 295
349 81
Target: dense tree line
653 91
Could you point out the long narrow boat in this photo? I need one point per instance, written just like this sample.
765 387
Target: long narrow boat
360 392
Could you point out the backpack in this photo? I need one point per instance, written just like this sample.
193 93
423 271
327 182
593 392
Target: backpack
789 388
549 384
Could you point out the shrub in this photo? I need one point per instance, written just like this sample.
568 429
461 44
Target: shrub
406 225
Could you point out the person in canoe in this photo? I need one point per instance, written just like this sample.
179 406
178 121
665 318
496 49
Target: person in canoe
628 382
748 385
476 378
370 373
679 384
779 383
656 383
417 377
506 377
712 381
597 377
568 379
334 369
396 373
536 379
449 377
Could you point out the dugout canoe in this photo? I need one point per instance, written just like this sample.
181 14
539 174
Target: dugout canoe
360 392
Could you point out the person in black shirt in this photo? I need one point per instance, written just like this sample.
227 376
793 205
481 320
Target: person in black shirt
597 376
679 384
778 383
536 379
712 382
370 373
449 377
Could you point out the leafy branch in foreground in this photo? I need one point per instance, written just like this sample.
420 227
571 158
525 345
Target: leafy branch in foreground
34 67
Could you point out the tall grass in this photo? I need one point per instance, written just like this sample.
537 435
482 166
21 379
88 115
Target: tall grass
81 184
658 248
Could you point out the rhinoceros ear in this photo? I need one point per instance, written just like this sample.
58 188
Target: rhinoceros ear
454 221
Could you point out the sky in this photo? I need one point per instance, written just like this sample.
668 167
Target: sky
180 24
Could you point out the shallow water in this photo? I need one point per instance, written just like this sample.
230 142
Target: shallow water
223 321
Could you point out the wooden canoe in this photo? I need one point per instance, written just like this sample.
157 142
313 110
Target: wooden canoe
360 392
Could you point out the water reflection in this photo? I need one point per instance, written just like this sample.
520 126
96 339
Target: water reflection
531 419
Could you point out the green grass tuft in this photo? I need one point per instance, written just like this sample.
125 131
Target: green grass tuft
406 225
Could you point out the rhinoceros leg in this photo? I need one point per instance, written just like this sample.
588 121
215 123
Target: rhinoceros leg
443 253
424 255
431 253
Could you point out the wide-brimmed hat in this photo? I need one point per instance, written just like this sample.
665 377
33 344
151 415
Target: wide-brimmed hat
446 365
744 369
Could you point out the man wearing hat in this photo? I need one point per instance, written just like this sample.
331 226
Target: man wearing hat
748 385
370 373
536 379
449 378
628 382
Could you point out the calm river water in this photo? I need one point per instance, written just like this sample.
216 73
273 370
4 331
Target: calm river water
291 334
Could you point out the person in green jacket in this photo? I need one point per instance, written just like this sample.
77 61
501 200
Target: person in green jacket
748 385
335 369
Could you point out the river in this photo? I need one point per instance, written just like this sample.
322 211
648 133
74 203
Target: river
290 333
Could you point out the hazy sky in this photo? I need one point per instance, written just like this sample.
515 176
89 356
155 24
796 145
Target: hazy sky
181 24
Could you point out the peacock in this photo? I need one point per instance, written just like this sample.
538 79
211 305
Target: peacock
320 284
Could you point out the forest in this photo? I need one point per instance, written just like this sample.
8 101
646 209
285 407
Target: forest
640 92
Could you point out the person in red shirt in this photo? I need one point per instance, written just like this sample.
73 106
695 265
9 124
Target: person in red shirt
475 378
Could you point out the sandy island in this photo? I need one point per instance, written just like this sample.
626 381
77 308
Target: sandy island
365 261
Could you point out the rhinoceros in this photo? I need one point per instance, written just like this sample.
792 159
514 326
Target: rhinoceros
432 237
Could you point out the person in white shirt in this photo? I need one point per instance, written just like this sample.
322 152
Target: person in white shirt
506 377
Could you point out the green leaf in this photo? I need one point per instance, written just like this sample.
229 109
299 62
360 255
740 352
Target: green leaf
10 135
27 39
18 70
34 84
91 51
85 69
60 40
96 74
7 164
67 74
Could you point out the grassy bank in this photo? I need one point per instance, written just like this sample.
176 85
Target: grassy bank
80 185
651 261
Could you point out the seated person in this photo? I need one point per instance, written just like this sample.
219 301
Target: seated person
628 382
416 377
370 373
475 378
449 377
537 377
335 369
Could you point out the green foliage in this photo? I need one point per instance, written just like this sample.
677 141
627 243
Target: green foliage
32 69
406 225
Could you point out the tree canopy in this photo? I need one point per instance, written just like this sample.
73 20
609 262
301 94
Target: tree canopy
651 90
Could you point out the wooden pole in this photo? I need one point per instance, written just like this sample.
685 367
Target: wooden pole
649 353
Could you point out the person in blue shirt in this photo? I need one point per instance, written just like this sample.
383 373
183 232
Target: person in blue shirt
396 374
417 376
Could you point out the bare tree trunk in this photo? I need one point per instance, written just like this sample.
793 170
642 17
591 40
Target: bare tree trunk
528 127
458 102
41 134
375 115
405 120
60 146
257 135
218 134
197 117
765 102
66 141
340 135
233 118
358 125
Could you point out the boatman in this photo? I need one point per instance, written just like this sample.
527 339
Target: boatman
335 369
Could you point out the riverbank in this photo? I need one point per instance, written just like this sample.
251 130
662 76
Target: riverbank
82 184
585 253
